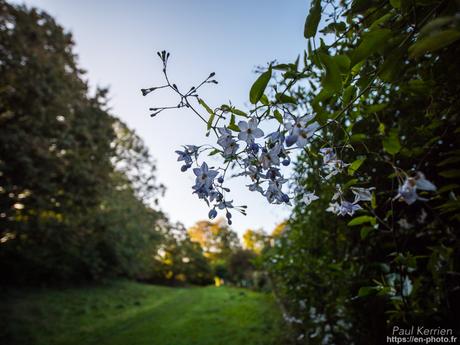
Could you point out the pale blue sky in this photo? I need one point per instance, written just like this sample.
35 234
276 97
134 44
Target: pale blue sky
117 42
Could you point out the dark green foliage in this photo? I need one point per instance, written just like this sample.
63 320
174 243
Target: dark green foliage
179 260
76 185
241 267
313 18
55 146
350 278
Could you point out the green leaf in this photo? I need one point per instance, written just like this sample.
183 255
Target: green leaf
313 18
373 201
332 81
378 22
343 62
282 98
355 166
436 24
358 137
205 106
391 142
259 86
450 160
375 108
214 152
209 110
371 43
361 220
284 67
392 66
348 94
450 206
448 188
334 28
396 3
364 232
433 42
361 6
450 173
278 116
238 112
232 126
367 290
264 100
350 183
356 68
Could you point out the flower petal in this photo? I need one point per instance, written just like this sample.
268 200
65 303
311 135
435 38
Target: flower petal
252 123
243 125
301 141
312 128
243 136
291 139
257 133
424 184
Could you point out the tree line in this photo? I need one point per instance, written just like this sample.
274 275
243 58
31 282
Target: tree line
78 193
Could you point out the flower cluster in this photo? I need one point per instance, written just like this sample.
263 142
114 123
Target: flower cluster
262 158
342 207
407 190
208 183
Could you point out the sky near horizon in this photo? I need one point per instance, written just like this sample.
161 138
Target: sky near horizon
117 41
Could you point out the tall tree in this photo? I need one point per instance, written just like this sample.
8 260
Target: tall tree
217 239
255 240
76 185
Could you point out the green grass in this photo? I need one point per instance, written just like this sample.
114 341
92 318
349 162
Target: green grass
130 313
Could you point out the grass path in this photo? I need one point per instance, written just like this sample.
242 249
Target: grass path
136 314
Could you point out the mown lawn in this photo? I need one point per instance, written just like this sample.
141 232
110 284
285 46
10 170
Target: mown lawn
130 313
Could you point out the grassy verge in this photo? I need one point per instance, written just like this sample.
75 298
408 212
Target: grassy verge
136 314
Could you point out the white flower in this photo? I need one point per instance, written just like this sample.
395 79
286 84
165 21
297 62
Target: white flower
335 167
306 133
230 149
249 131
299 132
328 154
344 208
275 195
334 207
349 208
225 204
338 192
204 176
184 156
423 184
225 136
403 223
408 190
255 187
422 217
362 194
227 142
269 158
308 198
296 126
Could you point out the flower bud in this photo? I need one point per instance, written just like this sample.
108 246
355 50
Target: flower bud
212 214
